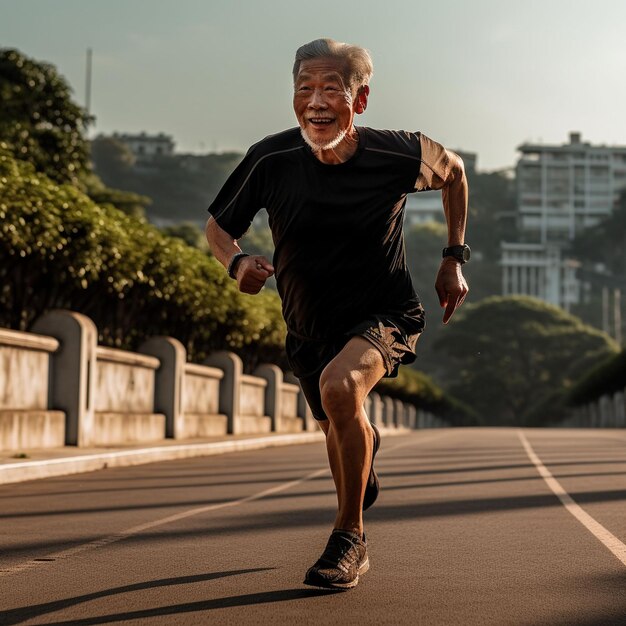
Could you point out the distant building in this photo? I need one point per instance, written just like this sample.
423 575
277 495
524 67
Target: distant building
561 190
145 146
423 207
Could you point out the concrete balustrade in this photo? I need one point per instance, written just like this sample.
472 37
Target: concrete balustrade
619 401
169 381
289 419
398 413
375 408
230 394
411 416
124 398
25 415
252 417
58 387
200 416
608 411
72 372
388 412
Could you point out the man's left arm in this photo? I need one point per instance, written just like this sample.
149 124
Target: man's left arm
443 169
450 284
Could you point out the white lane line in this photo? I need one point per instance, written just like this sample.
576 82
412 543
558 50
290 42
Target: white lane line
595 528
104 541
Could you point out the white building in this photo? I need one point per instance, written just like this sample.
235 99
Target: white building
425 206
145 146
561 191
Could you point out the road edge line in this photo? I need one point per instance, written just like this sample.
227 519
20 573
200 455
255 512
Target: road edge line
47 468
11 473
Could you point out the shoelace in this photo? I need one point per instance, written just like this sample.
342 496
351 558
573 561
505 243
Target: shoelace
338 548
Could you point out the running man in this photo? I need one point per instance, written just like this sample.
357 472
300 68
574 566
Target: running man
335 195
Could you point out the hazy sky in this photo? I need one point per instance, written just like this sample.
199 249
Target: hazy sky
477 75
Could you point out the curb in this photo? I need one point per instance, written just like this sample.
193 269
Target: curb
31 470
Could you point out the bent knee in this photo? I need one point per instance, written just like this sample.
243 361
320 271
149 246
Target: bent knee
340 396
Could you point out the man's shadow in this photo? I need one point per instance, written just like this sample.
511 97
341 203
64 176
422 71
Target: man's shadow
21 614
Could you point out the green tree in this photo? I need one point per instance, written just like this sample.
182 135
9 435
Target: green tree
258 239
181 187
58 249
424 243
605 242
113 159
491 207
190 233
39 120
508 355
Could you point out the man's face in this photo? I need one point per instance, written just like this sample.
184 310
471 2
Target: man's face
323 102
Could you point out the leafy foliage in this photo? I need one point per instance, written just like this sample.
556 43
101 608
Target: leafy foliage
65 243
181 187
190 233
58 249
606 378
39 120
606 241
511 353
418 389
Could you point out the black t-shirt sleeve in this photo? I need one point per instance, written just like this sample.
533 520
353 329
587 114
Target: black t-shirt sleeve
435 167
240 199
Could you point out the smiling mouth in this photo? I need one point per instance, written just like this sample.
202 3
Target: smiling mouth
320 120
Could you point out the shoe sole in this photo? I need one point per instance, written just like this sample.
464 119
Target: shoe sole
374 451
329 585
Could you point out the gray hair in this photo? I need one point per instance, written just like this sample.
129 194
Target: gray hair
357 61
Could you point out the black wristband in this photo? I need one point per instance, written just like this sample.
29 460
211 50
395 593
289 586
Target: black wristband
232 266
461 253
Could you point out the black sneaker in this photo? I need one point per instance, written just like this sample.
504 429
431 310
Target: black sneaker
341 564
373 486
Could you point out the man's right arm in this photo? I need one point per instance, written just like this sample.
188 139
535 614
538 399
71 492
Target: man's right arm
251 272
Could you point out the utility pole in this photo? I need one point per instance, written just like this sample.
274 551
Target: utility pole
88 82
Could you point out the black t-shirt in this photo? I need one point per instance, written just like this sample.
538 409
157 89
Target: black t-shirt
337 229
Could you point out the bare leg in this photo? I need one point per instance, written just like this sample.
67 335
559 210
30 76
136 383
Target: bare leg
333 455
344 385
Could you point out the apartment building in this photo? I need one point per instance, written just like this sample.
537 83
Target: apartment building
561 191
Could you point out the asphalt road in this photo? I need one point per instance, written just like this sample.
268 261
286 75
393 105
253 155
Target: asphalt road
466 531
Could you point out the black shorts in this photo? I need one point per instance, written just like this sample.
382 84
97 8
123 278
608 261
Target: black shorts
395 337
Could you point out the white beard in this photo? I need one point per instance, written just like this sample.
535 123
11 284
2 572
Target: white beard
326 146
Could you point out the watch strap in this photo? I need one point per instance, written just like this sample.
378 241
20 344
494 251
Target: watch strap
232 266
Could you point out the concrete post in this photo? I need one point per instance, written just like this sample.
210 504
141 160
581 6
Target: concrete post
375 409
367 407
169 380
620 409
605 412
72 372
230 385
388 410
398 413
412 416
274 377
304 411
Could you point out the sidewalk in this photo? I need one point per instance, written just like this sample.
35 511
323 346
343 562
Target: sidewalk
45 463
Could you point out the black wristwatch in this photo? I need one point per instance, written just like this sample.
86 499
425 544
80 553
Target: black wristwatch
460 253
232 266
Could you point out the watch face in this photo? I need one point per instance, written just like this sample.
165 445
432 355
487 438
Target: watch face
460 253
